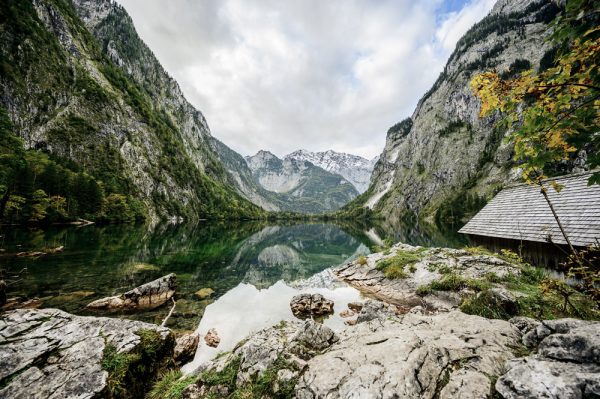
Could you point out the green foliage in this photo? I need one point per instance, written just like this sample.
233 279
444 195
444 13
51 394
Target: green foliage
226 377
130 374
362 260
400 129
459 208
554 113
585 268
170 385
393 267
260 386
454 282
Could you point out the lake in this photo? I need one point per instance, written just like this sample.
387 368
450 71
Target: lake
250 265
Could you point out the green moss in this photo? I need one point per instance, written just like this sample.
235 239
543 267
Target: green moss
170 385
131 374
260 386
454 282
394 267
226 377
362 260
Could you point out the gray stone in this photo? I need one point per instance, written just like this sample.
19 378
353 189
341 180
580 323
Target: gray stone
533 377
146 296
372 310
580 345
548 327
49 353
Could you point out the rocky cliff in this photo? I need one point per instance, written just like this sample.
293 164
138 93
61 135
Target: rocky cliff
79 83
298 185
357 170
444 160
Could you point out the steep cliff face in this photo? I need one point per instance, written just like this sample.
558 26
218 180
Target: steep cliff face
445 154
357 170
79 83
298 185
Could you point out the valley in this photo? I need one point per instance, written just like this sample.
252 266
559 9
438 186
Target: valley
144 255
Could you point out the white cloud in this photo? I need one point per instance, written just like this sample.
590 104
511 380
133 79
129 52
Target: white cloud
303 73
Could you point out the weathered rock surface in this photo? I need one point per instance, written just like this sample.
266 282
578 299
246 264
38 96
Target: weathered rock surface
185 348
311 305
533 377
291 342
212 338
567 363
146 296
415 356
49 353
403 292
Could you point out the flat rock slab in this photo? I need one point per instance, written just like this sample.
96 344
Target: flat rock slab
449 355
49 353
403 292
146 296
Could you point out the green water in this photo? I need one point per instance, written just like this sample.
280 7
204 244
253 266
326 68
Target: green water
99 261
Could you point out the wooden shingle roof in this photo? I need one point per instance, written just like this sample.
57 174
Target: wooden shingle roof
521 213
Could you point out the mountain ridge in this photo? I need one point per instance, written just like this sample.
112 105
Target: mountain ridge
444 162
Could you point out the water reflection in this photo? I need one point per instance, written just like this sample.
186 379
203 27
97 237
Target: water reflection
101 261
245 309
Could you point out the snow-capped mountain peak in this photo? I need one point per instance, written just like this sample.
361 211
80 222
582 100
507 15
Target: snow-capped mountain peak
356 169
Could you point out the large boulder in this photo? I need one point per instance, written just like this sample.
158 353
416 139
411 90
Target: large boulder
567 363
49 353
146 296
311 305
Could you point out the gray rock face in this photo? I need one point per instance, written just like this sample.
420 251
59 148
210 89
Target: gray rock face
146 296
567 363
295 342
298 185
414 356
52 354
445 149
357 170
311 305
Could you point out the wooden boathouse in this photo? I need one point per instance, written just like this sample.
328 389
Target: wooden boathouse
519 218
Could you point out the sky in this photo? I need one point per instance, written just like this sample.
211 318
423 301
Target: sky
304 74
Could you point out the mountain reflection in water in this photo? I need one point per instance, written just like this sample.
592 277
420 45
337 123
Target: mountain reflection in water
99 261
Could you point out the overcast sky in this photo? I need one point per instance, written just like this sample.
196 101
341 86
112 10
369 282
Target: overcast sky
313 74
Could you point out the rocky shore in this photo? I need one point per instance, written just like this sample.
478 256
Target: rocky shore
438 323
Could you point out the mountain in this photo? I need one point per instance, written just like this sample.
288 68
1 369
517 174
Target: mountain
84 91
357 170
444 162
298 185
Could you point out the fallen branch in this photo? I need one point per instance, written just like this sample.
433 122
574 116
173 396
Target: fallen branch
170 313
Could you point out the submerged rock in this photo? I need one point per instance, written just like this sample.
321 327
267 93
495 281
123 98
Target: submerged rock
49 353
212 338
146 296
311 305
204 293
